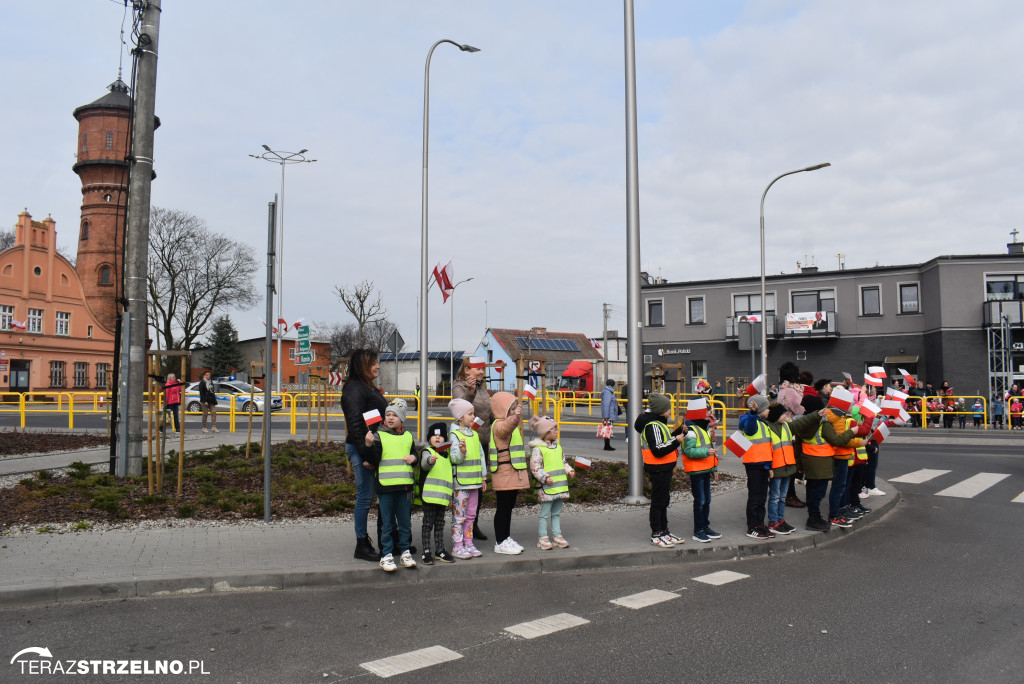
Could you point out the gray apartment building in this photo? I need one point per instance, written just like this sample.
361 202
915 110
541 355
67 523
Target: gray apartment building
953 318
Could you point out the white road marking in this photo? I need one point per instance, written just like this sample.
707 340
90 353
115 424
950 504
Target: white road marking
413 660
919 476
644 599
973 485
545 626
721 577
1019 499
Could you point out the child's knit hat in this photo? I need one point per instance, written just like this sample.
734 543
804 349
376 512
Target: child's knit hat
459 408
542 425
438 429
399 408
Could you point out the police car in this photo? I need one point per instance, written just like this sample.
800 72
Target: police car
228 390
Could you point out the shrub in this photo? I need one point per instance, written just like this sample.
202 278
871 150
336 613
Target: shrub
204 474
152 500
44 475
81 526
186 510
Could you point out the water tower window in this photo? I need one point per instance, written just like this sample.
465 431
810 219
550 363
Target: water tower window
110 140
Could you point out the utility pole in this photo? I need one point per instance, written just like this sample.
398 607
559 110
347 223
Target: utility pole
136 266
604 308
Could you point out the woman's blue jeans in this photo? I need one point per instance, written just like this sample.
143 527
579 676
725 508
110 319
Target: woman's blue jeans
364 489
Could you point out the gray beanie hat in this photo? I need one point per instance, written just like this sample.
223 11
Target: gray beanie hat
758 403
399 408
659 404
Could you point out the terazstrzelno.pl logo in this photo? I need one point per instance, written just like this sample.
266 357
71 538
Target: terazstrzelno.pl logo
39 661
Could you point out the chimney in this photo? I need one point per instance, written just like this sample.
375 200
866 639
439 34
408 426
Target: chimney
808 269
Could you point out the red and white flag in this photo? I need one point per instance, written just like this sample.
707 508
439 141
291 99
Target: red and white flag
444 447
904 416
911 380
444 276
876 372
477 362
891 407
738 444
758 386
478 423
873 381
841 399
594 343
880 433
371 418
529 391
581 462
697 409
297 323
896 394
281 323
20 325
869 409
847 376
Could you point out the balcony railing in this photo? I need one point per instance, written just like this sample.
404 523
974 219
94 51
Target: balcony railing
1012 309
732 327
829 330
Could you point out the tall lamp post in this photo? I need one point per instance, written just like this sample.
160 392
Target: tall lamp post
451 333
424 269
284 159
764 332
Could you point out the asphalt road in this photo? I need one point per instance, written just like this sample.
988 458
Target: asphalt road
930 593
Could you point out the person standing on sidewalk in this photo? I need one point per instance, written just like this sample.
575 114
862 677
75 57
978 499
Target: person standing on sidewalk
757 461
469 385
358 396
172 398
208 401
660 449
392 454
791 394
700 462
841 432
468 461
436 487
508 464
609 409
552 473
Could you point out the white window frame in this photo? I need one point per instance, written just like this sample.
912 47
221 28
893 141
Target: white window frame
647 312
291 353
6 316
769 311
899 297
35 321
860 299
62 324
704 310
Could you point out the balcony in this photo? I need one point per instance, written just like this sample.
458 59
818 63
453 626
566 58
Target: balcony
732 326
804 326
1011 309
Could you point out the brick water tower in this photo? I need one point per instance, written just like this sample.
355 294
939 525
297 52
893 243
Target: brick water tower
102 167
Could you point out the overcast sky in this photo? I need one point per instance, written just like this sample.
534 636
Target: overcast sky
916 105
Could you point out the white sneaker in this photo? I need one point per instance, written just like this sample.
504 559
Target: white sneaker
505 548
515 545
875 491
407 560
387 563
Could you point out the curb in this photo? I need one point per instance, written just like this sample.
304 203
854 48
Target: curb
122 588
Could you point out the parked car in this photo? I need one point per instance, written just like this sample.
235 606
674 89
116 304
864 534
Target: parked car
232 390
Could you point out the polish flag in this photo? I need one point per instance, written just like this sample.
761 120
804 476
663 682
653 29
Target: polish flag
891 407
297 323
595 344
584 463
840 399
443 277
371 418
281 323
873 381
758 386
876 372
847 376
869 409
529 391
880 433
904 416
911 380
896 394
738 443
697 409
478 423
477 362
20 325
444 447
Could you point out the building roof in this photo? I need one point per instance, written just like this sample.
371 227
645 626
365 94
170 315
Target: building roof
553 346
117 98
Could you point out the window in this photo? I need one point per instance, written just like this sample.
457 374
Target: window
6 316
90 333
909 300
101 374
84 135
291 353
814 300
1004 286
110 140
85 230
35 321
81 374
63 323
695 310
56 374
870 300
105 275
746 304
655 312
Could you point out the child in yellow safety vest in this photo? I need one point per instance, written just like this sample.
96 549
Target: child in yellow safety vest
392 455
468 477
549 469
436 490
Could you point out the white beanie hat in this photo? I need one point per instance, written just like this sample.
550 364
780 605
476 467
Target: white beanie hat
459 408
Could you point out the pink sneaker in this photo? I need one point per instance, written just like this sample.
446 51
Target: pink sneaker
473 551
560 542
462 552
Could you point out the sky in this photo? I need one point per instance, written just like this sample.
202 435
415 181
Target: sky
917 110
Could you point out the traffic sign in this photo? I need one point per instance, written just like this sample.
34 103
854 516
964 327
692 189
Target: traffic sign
303 332
534 365
334 378
305 358
304 344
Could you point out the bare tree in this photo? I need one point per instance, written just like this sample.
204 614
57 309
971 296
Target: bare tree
365 305
342 338
377 334
7 238
193 274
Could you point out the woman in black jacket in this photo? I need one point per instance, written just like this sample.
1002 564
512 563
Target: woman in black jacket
358 396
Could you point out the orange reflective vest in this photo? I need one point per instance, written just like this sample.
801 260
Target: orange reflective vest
664 435
692 465
760 450
817 446
782 448
844 452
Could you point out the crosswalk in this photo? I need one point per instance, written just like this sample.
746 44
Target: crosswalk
967 488
534 629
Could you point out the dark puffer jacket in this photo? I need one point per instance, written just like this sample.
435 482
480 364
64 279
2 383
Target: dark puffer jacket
643 426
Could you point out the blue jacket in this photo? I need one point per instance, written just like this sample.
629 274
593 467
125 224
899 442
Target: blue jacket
609 404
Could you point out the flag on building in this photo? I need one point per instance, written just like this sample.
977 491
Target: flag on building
697 409
738 444
758 386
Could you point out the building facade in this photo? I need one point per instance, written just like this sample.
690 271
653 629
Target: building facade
557 349
952 318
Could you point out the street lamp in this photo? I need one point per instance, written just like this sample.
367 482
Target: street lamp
451 333
283 158
424 269
764 332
